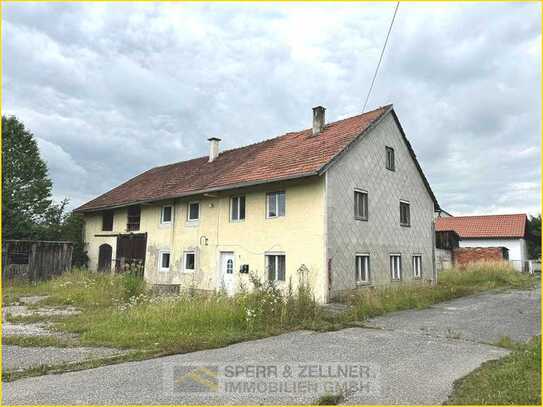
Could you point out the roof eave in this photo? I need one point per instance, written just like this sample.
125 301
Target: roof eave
196 192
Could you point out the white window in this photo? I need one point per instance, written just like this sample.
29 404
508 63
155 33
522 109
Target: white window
189 261
275 264
166 214
362 270
275 204
164 261
395 266
360 205
193 211
237 208
417 266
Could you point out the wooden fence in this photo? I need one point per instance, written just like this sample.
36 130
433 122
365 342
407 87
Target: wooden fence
35 259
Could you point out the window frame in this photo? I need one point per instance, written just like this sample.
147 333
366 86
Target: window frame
357 272
276 255
185 254
364 193
189 219
415 269
161 253
408 223
393 268
128 216
162 221
392 166
112 213
238 197
277 194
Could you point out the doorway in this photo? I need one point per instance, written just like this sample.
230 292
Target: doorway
228 280
104 257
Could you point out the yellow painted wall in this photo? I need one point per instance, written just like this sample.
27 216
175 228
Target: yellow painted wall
299 234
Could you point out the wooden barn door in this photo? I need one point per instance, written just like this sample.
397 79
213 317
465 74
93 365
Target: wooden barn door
131 250
104 257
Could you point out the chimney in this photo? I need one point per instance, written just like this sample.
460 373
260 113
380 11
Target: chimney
213 148
318 119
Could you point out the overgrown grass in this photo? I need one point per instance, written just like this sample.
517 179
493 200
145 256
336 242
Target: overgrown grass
78 287
473 279
187 323
116 310
514 379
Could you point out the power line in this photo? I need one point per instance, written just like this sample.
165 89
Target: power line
381 57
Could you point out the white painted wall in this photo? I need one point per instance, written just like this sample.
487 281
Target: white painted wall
517 248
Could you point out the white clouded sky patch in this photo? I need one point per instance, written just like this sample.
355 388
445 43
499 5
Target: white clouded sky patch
113 89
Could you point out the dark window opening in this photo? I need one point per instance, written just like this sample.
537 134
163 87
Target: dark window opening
194 211
189 261
390 159
405 216
166 214
360 205
107 221
134 215
165 261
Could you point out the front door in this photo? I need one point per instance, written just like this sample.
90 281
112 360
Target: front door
227 273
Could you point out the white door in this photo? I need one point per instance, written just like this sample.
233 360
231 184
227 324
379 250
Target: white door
228 282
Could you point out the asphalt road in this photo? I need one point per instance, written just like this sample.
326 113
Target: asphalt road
410 357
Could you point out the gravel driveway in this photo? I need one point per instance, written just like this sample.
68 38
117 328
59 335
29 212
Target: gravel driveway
415 357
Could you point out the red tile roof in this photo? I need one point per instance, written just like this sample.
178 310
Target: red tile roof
293 155
488 226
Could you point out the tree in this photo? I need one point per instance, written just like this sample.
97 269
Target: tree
27 209
26 187
533 236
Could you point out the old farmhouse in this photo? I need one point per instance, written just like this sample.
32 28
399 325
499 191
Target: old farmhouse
340 205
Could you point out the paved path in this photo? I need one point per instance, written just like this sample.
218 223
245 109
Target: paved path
413 365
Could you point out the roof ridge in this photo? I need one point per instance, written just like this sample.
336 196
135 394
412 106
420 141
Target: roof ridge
484 216
273 138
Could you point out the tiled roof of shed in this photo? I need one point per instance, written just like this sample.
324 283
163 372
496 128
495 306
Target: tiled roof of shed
487 226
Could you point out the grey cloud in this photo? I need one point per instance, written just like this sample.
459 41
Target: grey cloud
113 89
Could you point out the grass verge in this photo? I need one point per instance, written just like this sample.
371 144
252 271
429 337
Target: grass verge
118 312
514 379
476 278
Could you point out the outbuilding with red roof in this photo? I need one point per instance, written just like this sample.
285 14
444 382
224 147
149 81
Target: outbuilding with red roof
507 231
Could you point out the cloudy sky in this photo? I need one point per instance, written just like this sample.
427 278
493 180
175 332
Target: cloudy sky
110 90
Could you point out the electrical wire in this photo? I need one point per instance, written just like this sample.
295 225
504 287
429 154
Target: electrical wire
381 57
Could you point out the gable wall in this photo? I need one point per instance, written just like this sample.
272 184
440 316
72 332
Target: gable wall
363 166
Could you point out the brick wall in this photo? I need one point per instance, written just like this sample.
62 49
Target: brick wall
465 255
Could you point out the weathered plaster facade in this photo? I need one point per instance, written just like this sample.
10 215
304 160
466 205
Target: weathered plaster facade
299 235
318 231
